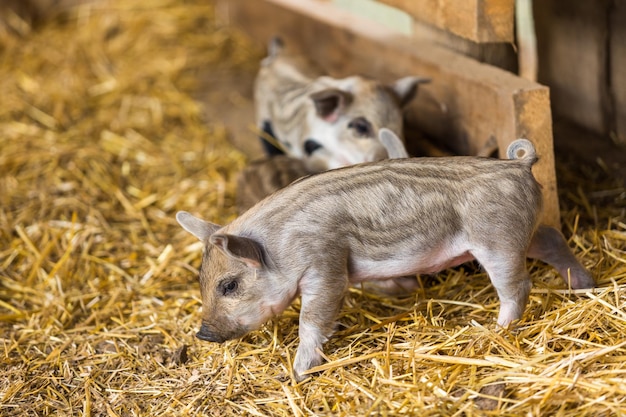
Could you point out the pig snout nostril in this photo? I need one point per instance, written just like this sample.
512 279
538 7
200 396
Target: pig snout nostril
208 336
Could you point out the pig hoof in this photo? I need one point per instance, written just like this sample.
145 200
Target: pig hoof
300 372
581 280
299 377
302 375
303 363
510 314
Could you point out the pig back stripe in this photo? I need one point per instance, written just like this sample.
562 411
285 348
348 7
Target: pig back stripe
415 171
450 178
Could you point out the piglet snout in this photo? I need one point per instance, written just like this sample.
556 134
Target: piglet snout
207 335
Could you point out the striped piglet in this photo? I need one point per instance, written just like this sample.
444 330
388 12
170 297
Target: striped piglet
375 221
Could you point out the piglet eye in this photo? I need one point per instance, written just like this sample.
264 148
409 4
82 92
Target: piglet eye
228 287
361 127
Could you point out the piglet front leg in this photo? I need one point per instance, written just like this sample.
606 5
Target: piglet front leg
549 245
322 296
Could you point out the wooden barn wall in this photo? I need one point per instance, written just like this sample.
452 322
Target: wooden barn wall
582 58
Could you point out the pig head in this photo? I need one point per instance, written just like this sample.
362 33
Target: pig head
345 116
325 121
235 283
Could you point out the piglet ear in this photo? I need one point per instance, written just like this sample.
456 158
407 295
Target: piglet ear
239 248
330 103
406 88
392 143
196 226
275 46
274 49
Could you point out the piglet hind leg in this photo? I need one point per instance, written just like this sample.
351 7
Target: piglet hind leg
510 278
321 302
549 245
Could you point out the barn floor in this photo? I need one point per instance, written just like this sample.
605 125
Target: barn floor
114 117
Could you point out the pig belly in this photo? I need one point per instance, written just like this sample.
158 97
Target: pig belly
362 269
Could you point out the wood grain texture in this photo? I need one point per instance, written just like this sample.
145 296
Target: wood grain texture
477 20
471 107
501 55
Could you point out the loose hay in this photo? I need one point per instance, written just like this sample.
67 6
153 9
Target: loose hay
101 143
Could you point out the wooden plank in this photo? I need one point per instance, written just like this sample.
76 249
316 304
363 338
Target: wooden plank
502 55
477 20
469 105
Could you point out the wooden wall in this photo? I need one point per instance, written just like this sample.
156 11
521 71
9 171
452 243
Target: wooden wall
582 58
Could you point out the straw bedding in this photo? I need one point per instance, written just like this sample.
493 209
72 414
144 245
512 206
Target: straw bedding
101 143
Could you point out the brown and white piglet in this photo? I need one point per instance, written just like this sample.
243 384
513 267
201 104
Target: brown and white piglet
326 122
374 221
